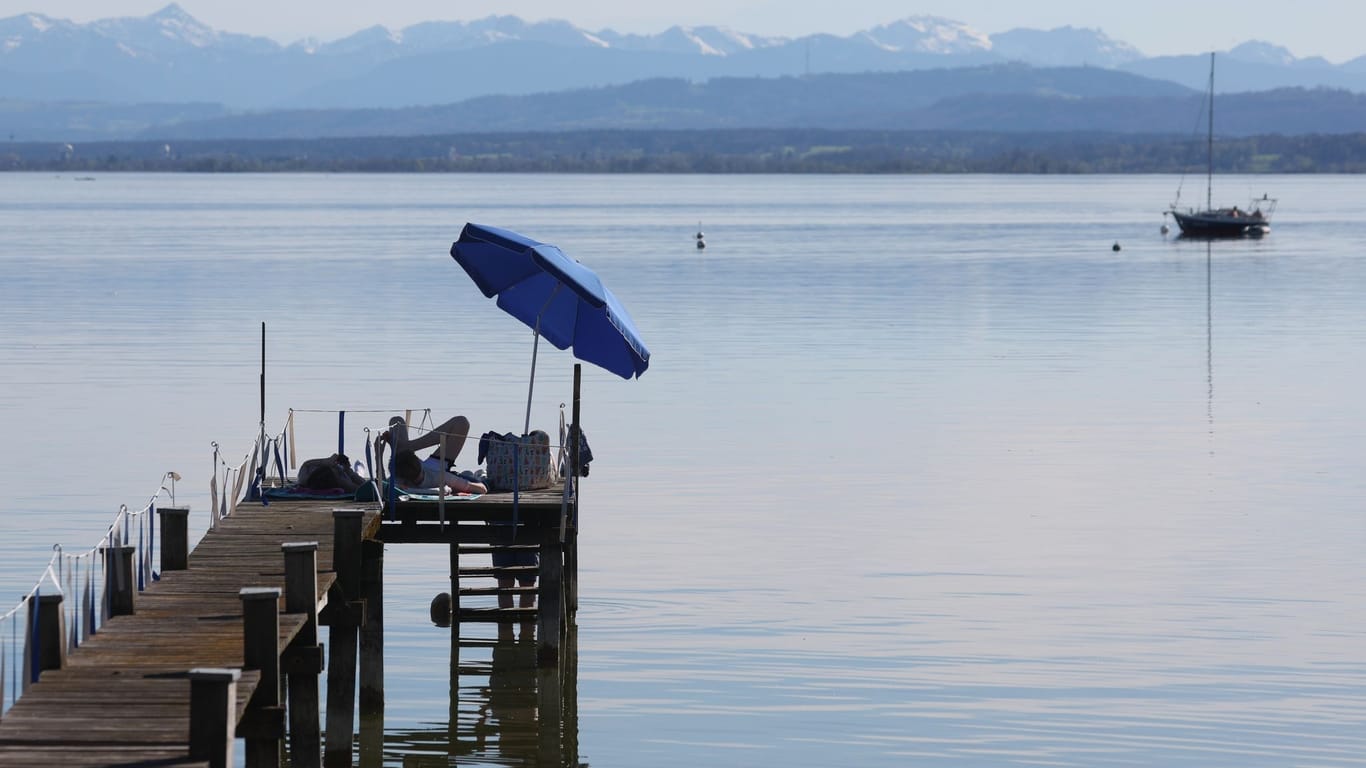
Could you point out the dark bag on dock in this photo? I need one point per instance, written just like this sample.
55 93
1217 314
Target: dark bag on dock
585 454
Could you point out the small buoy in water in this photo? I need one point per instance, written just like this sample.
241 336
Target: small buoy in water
700 244
441 610
1166 229
1115 247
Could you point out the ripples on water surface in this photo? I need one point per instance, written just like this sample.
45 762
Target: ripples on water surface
922 472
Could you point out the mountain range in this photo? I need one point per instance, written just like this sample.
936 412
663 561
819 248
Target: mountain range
159 74
169 56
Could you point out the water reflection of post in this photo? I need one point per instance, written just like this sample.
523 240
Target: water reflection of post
526 713
569 677
453 711
1209 342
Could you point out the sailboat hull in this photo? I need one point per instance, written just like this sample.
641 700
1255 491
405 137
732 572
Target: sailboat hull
1221 223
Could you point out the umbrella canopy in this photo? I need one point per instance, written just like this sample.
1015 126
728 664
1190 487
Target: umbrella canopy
557 297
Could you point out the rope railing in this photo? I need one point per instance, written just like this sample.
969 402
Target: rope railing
271 458
82 581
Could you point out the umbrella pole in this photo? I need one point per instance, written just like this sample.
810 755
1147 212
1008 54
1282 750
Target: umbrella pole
531 385
526 427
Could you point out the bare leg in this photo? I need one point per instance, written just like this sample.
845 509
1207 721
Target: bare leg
398 433
529 598
455 429
505 600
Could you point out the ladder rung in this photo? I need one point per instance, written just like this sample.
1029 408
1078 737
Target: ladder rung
498 591
476 549
497 614
511 570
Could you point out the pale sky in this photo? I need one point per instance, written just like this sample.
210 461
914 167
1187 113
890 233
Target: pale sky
1328 28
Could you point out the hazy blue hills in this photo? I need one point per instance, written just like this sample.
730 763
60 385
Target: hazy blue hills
1002 98
890 100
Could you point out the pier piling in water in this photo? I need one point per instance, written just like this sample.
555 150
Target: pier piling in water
304 659
372 632
264 731
345 613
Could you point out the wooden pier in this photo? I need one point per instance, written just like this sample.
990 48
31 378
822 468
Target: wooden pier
225 645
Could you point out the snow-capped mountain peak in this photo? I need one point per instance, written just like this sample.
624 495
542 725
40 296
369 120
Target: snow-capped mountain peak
39 22
175 24
1263 53
1063 46
929 34
169 26
708 41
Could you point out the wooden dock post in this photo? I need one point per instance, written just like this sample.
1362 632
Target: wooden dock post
51 631
175 538
119 585
342 638
571 536
372 656
213 712
372 633
261 651
455 587
304 660
550 599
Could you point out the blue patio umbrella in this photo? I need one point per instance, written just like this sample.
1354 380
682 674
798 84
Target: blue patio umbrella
556 296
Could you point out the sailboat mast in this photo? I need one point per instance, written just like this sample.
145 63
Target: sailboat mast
1209 173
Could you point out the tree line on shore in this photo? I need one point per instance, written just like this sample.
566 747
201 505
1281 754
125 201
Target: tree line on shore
732 151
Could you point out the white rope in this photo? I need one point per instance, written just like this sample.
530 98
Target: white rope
56 569
237 487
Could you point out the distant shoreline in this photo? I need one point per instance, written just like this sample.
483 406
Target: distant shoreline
776 151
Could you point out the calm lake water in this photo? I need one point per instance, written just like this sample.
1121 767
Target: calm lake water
922 472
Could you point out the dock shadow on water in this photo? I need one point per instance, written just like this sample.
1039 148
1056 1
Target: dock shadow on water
504 709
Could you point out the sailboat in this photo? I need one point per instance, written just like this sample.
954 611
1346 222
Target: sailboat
1254 221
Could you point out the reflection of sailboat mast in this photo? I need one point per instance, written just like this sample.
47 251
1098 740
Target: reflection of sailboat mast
1209 339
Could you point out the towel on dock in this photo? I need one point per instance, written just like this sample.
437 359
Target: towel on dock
429 494
299 492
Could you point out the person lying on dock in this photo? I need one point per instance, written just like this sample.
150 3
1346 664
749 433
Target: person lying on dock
431 472
326 474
